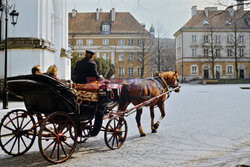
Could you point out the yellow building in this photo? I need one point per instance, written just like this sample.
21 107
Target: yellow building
214 44
114 36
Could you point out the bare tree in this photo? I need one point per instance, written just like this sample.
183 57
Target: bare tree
235 26
211 46
143 55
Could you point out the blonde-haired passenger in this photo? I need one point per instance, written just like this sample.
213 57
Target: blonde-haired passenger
52 71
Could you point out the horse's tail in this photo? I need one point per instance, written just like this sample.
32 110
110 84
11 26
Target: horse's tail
124 97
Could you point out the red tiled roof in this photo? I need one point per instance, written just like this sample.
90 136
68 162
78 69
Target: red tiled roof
217 19
86 23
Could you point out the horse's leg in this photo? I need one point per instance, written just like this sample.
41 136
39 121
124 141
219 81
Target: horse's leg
163 113
152 114
138 120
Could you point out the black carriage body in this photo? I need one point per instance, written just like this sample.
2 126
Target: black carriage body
43 94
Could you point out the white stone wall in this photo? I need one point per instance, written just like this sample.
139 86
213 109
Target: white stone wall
42 19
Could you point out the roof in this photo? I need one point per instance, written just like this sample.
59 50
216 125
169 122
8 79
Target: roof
219 19
86 23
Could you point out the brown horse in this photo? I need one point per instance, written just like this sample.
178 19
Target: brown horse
138 90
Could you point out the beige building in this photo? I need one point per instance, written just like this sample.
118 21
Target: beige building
113 36
214 44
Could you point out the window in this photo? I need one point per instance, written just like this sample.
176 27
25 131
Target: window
227 22
130 57
121 57
230 38
105 27
230 69
121 42
130 42
139 57
105 41
79 42
89 42
194 69
217 39
205 39
139 71
205 52
241 52
121 71
193 38
217 53
79 55
229 53
130 71
218 68
241 38
105 56
205 22
193 52
139 42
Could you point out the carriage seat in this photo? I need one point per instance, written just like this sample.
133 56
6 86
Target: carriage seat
42 93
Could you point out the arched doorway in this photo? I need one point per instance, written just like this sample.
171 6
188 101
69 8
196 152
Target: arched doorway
205 72
242 72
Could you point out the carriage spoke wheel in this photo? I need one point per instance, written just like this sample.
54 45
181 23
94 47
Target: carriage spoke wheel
55 141
115 132
17 132
85 130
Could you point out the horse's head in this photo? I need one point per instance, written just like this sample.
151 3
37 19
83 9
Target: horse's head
171 78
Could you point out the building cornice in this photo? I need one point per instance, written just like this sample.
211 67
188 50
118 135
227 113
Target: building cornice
27 43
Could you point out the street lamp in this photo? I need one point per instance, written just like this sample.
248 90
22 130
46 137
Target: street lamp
5 8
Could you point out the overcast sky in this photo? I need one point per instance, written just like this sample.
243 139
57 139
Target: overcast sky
169 15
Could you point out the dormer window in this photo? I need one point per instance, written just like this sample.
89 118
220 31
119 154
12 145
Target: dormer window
227 22
205 22
105 29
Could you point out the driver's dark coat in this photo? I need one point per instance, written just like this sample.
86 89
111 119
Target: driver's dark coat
86 70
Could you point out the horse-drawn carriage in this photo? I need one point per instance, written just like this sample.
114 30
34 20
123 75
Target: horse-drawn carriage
61 117
54 115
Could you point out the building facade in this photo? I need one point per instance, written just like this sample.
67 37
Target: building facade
214 44
40 37
114 36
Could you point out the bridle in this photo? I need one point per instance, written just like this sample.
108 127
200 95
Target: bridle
157 75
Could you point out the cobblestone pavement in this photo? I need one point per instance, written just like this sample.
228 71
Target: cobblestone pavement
204 126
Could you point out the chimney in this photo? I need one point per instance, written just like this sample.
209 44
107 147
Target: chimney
97 14
194 11
240 4
112 12
74 11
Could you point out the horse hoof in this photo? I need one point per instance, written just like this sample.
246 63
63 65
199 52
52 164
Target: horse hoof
154 131
156 126
143 135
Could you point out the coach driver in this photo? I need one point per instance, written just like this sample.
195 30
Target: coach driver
86 69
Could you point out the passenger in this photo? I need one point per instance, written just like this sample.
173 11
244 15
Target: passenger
36 69
52 71
86 69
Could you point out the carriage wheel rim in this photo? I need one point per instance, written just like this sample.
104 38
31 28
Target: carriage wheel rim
58 148
118 136
19 123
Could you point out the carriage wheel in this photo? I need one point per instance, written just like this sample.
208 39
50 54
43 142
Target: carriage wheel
17 132
115 132
55 142
85 130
